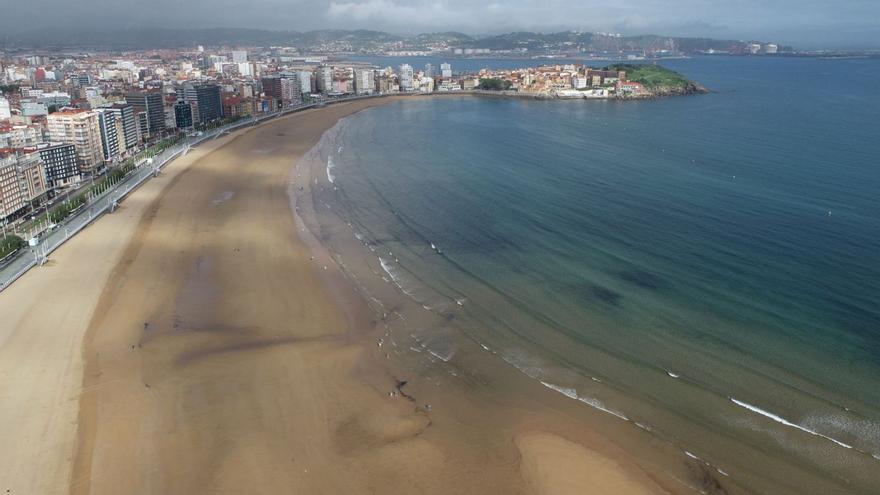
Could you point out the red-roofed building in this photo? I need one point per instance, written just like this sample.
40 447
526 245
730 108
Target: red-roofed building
81 129
232 106
629 88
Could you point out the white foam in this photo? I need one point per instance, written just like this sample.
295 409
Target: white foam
330 166
523 362
442 357
600 406
395 277
781 420
671 374
590 401
568 392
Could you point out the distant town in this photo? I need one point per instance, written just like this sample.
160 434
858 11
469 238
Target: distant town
579 44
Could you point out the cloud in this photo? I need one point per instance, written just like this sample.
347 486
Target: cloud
801 22
407 15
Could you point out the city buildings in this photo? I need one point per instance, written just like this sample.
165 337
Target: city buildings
364 81
20 135
59 163
306 82
5 108
205 101
81 129
291 91
325 79
272 87
32 177
151 104
406 78
445 70
109 135
124 114
22 181
183 117
11 197
30 108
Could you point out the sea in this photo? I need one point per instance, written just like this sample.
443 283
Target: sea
703 268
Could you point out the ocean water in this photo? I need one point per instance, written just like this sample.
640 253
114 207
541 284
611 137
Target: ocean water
704 268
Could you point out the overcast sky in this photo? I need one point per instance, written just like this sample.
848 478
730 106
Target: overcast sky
806 23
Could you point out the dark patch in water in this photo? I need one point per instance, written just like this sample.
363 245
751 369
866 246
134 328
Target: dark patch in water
641 278
605 295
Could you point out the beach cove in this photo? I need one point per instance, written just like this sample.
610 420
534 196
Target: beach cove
472 295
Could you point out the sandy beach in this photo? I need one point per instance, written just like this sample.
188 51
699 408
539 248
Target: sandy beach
198 341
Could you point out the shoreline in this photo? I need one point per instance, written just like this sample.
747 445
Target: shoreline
210 398
399 431
471 361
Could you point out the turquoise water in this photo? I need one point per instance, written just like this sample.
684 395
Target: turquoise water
705 267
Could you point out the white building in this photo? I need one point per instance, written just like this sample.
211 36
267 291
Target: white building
33 108
240 56
5 109
20 135
406 78
364 82
246 69
290 90
426 85
305 81
445 70
79 128
325 79
449 85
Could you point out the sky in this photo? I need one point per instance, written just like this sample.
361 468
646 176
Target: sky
803 23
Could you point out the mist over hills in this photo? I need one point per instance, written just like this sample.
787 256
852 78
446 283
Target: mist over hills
359 41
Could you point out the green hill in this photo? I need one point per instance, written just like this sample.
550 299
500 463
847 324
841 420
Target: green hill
652 76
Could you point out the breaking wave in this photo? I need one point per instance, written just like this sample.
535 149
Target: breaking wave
590 401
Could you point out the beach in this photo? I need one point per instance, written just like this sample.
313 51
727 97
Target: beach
45 317
200 340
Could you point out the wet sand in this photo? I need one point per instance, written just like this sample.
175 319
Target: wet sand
221 356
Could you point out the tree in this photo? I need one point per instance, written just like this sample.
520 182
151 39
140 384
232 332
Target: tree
10 244
494 84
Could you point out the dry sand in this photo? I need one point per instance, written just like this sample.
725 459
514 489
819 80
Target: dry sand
43 318
216 361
